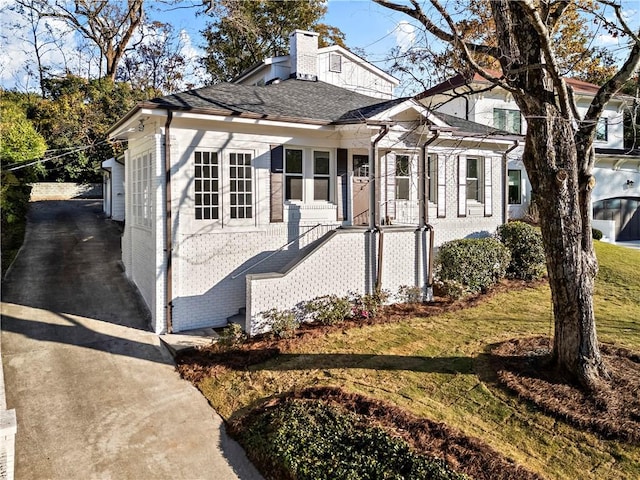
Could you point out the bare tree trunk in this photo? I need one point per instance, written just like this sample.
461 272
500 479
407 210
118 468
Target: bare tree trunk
563 197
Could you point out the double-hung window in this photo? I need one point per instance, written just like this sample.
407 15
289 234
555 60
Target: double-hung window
141 190
475 179
402 177
321 176
293 175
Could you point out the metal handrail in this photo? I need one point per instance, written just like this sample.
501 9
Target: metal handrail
233 277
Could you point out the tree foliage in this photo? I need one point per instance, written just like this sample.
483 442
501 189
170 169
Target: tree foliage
74 118
245 32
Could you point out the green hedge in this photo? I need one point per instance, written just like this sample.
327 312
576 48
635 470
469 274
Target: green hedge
312 440
527 251
476 263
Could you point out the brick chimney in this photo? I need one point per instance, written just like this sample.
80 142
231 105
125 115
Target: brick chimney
303 54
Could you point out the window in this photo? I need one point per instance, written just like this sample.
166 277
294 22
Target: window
335 62
293 175
515 187
241 185
361 165
207 188
432 171
474 179
321 176
141 190
507 120
602 130
402 177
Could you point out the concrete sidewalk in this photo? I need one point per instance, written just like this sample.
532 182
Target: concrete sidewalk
95 393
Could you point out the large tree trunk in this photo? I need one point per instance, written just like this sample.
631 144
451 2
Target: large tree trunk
563 198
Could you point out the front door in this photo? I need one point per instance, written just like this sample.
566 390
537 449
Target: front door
361 190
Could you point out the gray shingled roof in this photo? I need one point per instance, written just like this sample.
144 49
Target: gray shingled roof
469 127
291 99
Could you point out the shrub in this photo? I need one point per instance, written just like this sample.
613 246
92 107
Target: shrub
450 289
328 310
475 263
367 306
316 441
596 234
232 335
527 252
282 323
410 294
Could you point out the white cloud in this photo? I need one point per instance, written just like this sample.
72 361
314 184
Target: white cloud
405 34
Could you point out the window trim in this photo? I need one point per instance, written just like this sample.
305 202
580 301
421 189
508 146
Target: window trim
288 174
326 176
200 209
479 197
250 207
405 178
519 186
506 112
603 122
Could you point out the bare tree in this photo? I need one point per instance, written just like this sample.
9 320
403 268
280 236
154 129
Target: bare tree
558 153
107 24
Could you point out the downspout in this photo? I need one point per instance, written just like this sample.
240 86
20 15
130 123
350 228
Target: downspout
424 224
505 181
167 229
373 217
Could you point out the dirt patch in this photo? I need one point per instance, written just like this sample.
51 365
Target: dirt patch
463 454
524 366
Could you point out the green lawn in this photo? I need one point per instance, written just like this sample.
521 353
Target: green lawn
435 367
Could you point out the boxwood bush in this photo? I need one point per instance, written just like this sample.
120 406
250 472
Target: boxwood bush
476 263
527 252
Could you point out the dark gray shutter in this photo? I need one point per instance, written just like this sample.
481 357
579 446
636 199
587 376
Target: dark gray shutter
341 183
276 202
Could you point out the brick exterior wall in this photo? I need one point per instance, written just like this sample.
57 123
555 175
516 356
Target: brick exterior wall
344 262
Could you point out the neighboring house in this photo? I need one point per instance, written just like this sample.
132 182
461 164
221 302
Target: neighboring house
243 198
113 188
616 196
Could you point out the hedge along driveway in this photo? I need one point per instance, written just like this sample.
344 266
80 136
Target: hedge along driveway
436 367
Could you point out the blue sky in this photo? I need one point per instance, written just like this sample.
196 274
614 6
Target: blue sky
368 27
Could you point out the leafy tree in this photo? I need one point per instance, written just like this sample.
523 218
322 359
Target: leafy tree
245 32
74 118
20 147
558 152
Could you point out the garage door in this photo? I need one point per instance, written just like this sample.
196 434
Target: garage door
625 211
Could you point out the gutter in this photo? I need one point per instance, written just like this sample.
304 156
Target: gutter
373 217
423 186
505 181
168 234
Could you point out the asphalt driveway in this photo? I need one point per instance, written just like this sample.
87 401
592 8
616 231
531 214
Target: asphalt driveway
95 394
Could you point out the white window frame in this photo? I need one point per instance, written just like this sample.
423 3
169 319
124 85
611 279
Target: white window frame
479 179
506 115
322 175
247 181
432 178
518 201
406 178
603 124
308 175
207 198
141 191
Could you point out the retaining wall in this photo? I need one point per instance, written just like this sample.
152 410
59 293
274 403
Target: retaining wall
65 191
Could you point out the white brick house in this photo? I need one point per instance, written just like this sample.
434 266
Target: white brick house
262 196
616 196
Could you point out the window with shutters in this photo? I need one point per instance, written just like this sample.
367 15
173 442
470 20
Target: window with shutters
308 175
475 179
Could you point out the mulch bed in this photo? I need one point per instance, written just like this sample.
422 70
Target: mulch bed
613 411
521 365
463 454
